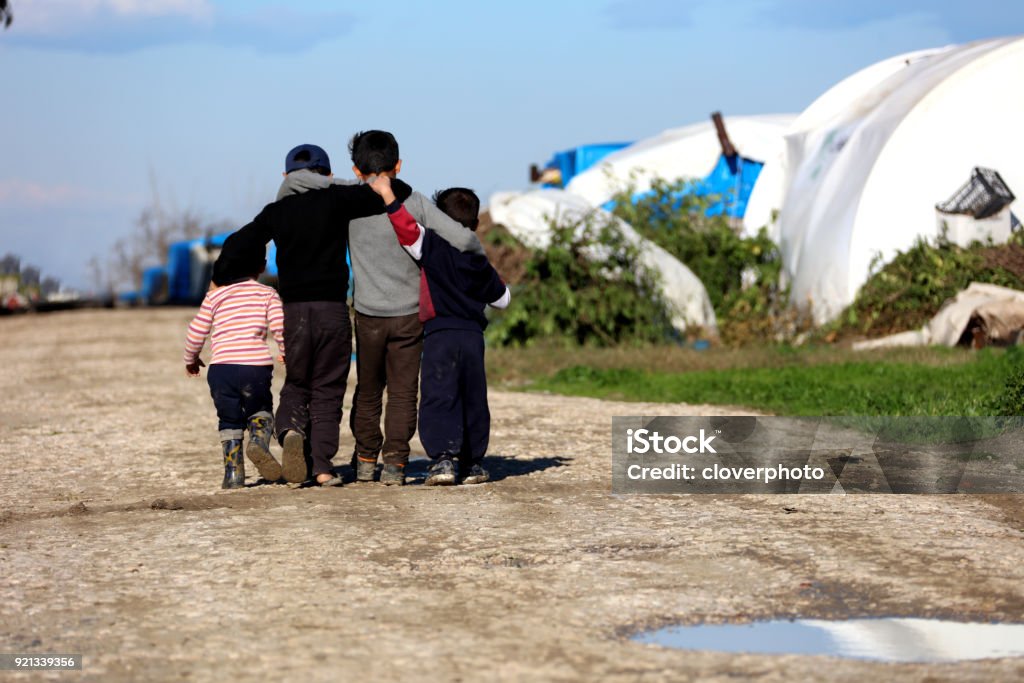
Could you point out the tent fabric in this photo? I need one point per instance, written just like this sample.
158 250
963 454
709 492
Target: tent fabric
867 165
528 216
573 161
688 152
768 194
727 187
731 182
154 284
999 309
189 266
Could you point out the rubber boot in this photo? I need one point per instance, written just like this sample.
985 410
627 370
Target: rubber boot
261 430
234 466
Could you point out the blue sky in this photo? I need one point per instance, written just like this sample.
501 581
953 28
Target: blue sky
106 99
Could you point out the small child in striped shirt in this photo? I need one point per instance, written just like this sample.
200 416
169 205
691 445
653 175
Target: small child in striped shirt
236 316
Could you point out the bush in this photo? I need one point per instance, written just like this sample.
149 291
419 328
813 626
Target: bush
1011 401
588 288
906 292
741 274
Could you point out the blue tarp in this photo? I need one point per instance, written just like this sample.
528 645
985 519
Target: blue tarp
153 283
727 186
731 181
179 271
188 270
572 162
272 259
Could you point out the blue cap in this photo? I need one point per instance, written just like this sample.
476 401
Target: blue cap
317 158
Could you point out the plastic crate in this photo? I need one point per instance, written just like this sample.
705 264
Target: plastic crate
984 195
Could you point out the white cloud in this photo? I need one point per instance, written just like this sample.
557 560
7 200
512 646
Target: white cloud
120 26
193 8
50 17
17 192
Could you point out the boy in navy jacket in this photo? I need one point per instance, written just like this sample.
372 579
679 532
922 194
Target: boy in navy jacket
454 420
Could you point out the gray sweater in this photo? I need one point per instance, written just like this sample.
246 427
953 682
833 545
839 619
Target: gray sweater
386 280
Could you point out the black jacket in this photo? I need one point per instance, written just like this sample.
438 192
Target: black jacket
311 234
459 285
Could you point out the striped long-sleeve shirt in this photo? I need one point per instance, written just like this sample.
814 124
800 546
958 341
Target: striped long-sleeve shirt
237 318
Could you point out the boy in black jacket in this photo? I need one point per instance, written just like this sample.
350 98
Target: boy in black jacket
311 234
454 421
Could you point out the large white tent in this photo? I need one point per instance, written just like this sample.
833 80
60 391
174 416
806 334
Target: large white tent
869 160
687 152
767 196
529 216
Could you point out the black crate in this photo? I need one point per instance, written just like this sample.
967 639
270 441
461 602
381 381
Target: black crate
984 195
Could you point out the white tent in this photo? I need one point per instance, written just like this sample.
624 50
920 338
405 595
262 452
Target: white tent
769 191
528 216
687 152
873 156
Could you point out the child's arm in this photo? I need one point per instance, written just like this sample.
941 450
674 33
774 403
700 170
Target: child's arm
195 337
448 229
485 285
275 322
360 201
504 301
409 232
258 232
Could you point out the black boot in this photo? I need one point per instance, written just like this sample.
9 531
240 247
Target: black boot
234 466
261 430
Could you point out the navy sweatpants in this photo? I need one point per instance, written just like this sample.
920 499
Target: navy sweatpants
454 418
239 392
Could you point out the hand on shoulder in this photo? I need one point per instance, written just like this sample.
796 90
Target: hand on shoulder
381 184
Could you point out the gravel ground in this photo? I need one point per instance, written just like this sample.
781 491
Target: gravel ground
116 542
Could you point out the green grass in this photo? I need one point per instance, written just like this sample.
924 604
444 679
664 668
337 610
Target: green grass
937 382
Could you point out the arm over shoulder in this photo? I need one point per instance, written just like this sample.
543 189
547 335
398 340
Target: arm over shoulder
360 201
451 231
253 235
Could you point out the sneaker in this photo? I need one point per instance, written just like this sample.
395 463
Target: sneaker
442 473
477 475
293 459
393 475
365 469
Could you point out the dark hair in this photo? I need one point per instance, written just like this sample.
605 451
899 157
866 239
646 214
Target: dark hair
240 264
460 203
304 156
374 151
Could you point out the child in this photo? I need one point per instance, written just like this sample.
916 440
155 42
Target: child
311 234
454 419
238 314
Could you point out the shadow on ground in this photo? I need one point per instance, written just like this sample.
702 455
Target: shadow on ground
499 467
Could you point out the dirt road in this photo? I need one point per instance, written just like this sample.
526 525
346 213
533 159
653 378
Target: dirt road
116 542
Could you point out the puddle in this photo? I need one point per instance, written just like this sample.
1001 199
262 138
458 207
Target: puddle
884 640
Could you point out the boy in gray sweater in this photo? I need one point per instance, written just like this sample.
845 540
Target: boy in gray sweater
386 290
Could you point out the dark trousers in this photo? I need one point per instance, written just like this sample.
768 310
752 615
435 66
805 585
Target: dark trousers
239 392
387 355
318 354
454 419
